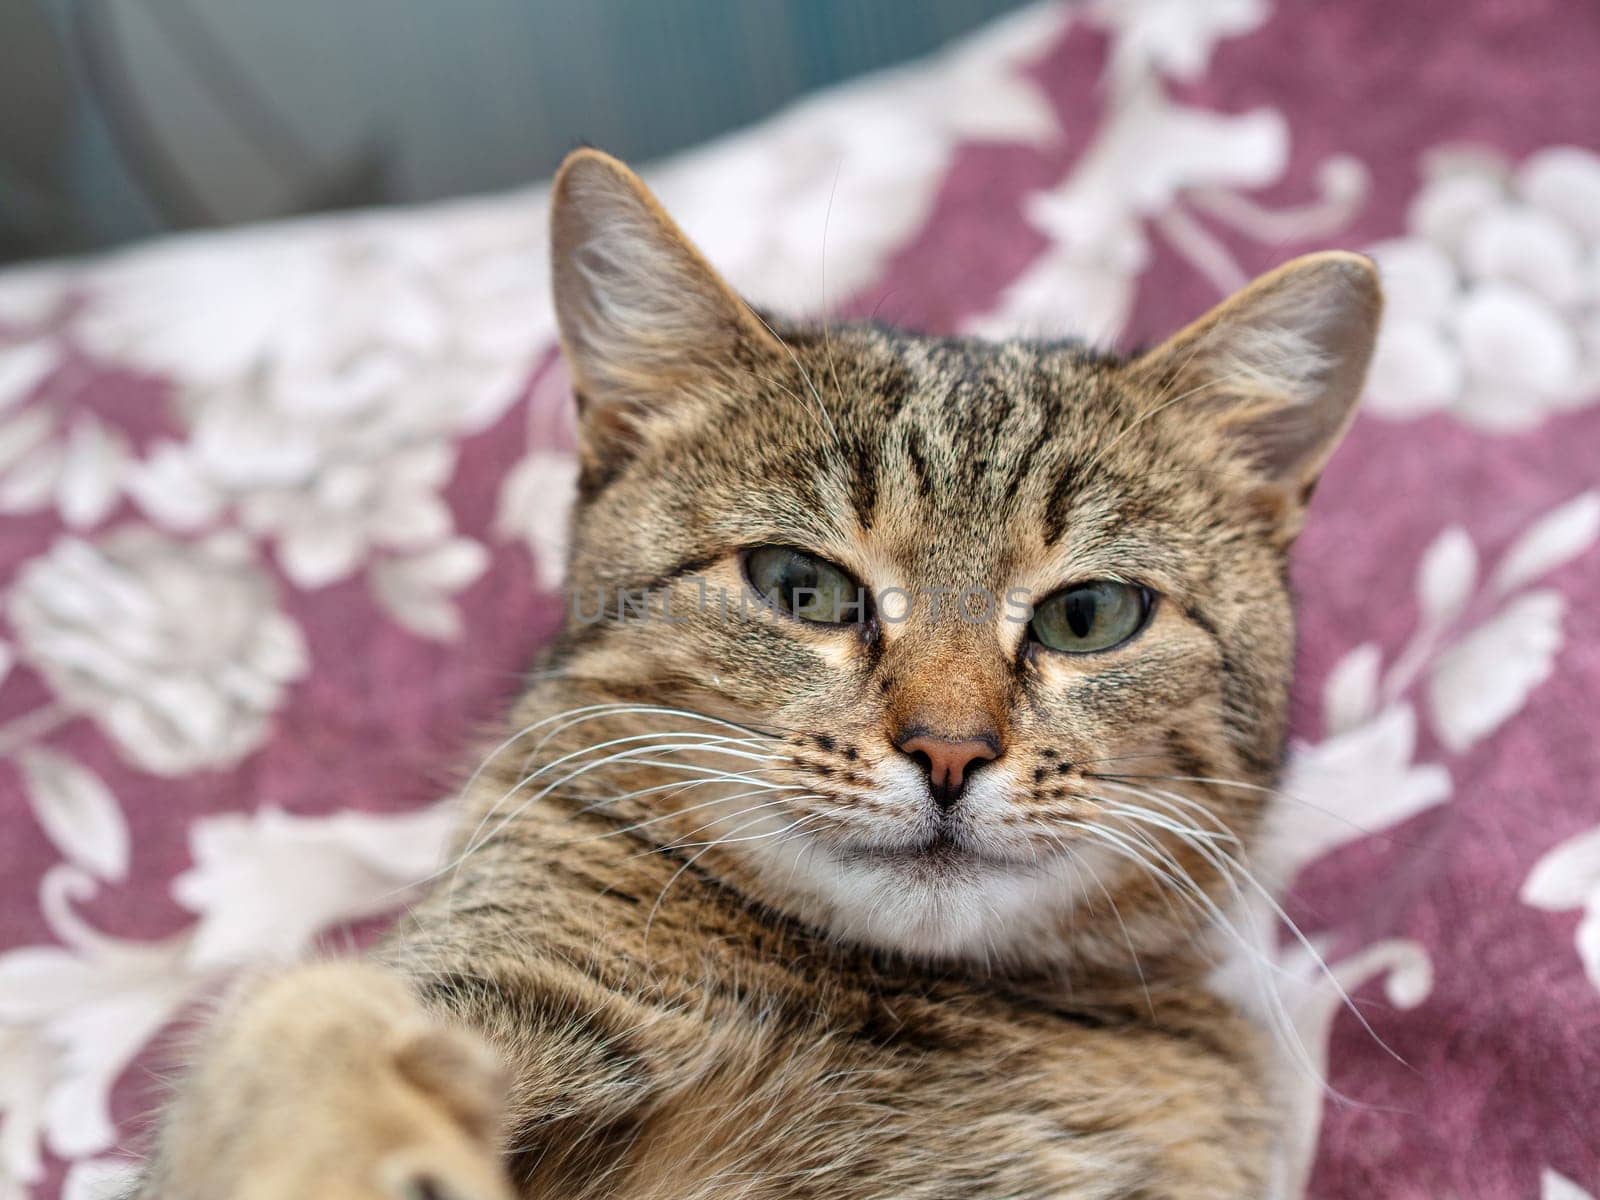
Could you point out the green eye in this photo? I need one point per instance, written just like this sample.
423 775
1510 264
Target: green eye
1091 616
805 586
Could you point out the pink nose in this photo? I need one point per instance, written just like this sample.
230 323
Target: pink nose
948 761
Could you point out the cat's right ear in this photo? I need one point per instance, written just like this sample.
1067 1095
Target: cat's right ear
1276 370
643 316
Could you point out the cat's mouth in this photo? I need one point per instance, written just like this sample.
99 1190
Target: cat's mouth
944 847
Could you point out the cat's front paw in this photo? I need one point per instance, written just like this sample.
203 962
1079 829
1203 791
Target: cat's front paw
464 1089
332 1082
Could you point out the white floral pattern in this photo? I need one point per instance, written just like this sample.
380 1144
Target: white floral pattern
1568 877
78 812
52 455
99 1179
1361 780
1315 997
328 428
175 648
73 1016
71 1019
1494 294
1553 1185
535 501
1152 158
346 866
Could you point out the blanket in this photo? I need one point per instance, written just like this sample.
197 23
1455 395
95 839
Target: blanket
284 520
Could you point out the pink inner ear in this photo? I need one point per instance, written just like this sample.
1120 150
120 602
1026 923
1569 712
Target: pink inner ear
1282 363
638 305
1292 438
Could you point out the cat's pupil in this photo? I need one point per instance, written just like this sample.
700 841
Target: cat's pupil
1091 616
1080 606
799 575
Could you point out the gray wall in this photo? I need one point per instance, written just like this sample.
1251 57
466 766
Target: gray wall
121 118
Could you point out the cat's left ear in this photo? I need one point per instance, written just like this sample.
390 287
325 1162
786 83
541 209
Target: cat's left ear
643 316
1278 367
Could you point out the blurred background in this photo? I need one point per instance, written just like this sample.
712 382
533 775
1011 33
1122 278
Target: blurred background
125 118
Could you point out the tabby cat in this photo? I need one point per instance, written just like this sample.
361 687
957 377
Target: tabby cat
866 830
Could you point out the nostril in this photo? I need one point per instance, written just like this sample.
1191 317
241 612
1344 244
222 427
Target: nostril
945 795
948 762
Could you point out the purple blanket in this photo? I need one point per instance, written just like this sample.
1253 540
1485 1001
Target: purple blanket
284 518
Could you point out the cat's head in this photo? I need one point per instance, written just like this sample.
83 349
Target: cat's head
1007 623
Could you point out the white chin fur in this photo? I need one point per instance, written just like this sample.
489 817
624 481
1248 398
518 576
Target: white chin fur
962 909
979 912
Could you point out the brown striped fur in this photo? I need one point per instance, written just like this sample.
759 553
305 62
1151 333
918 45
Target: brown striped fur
764 966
